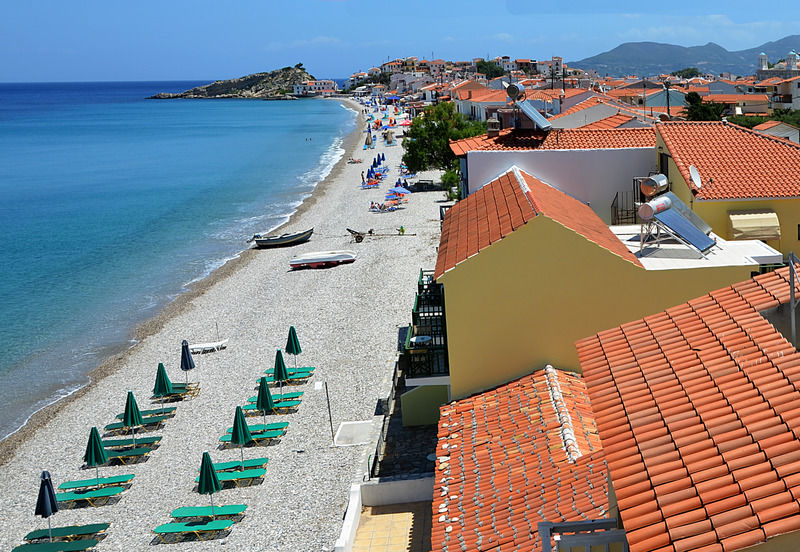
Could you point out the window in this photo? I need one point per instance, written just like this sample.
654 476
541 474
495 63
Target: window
798 232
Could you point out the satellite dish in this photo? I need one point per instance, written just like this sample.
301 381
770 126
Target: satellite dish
695 174
514 91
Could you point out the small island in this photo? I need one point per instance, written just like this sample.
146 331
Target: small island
275 85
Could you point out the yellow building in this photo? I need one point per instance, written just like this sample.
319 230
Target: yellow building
747 184
527 270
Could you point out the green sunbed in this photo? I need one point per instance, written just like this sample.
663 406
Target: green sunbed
128 455
69 532
287 396
169 410
261 428
265 436
118 427
292 371
252 409
100 496
113 443
238 477
196 528
236 465
58 546
102 482
296 378
205 511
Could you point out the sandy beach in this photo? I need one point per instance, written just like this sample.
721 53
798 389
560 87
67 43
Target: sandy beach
347 320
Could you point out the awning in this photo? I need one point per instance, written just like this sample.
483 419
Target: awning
754 225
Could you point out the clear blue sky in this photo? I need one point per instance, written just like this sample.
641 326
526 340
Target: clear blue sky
91 40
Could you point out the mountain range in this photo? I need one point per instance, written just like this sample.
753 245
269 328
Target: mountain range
653 58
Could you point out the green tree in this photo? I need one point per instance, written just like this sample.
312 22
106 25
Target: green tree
687 73
698 110
490 69
428 143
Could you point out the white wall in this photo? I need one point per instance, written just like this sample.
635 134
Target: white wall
591 176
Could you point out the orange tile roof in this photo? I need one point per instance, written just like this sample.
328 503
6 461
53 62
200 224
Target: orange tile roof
698 409
558 139
503 467
766 124
506 204
614 121
734 162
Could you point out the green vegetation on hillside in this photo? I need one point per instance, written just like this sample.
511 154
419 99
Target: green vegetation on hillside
687 73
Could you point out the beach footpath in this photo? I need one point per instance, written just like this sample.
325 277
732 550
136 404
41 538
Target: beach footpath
347 319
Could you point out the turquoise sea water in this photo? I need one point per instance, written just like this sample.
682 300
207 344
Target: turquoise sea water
112 205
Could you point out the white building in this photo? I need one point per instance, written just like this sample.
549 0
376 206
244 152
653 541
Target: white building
315 88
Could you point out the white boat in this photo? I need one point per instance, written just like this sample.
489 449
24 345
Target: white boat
322 259
200 348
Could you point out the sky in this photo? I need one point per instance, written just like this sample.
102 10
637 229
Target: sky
108 40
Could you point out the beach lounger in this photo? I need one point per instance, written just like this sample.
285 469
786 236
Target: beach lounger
237 465
294 379
166 411
292 371
94 497
230 510
69 533
261 428
242 478
287 396
102 482
151 422
266 436
147 441
57 546
202 530
128 456
280 407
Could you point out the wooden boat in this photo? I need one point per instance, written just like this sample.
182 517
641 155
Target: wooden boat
292 238
322 259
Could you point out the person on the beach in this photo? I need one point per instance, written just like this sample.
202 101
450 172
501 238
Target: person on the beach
362 177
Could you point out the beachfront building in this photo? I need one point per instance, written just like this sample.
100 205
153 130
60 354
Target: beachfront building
748 185
315 88
697 412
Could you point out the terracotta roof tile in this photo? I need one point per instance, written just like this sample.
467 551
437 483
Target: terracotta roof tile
734 162
506 204
503 466
615 121
698 409
558 139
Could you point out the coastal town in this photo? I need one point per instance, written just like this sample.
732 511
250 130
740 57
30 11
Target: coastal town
586 339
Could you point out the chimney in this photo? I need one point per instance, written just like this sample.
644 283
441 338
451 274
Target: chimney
492 127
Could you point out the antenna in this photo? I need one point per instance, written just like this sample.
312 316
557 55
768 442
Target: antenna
695 174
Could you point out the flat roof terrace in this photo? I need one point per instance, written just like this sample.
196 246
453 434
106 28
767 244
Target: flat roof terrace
672 254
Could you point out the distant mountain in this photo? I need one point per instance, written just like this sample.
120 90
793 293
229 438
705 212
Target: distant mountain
274 85
653 58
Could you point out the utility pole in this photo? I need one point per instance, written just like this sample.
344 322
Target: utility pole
667 85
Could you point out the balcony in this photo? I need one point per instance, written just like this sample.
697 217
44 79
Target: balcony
425 347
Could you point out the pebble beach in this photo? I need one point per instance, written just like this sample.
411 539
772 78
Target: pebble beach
347 320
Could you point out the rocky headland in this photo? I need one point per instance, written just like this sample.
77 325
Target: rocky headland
275 85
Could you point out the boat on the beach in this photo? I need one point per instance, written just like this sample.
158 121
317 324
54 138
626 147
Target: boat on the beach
322 259
291 238
210 347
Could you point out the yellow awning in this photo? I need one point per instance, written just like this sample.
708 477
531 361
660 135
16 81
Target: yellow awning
754 225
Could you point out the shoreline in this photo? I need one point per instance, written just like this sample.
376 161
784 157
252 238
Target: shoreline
113 363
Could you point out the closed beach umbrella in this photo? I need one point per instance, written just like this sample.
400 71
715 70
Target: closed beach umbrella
46 503
163 385
280 374
131 417
368 140
293 345
95 454
187 362
240 435
209 482
383 157
264 401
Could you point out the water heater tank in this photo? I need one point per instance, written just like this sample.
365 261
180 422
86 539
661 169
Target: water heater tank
647 210
654 185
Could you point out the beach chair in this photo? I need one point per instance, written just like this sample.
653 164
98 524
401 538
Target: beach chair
293 371
260 438
294 379
237 465
69 533
287 396
57 546
279 407
169 411
150 422
261 428
93 497
241 478
152 442
223 511
128 456
95 482
202 530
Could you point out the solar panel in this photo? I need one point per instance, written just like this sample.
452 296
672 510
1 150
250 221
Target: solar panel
684 229
688 213
534 115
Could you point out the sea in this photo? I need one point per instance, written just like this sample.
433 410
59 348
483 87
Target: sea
112 205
